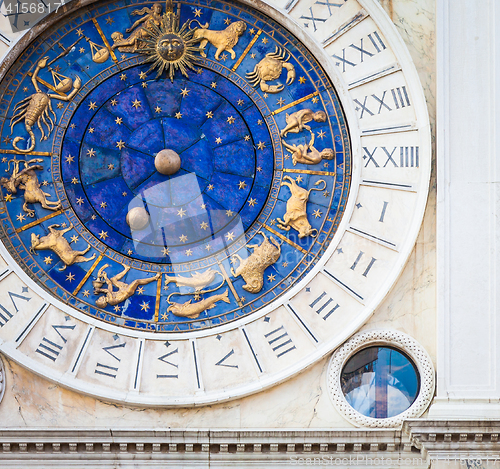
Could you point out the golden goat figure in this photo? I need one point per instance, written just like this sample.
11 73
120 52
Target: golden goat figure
27 179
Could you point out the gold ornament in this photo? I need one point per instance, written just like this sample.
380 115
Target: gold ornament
307 154
169 47
27 179
269 69
193 310
125 291
198 280
35 108
298 121
99 53
252 269
296 215
56 242
223 40
139 30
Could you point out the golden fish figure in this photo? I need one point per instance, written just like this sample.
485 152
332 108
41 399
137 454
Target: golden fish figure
198 280
193 310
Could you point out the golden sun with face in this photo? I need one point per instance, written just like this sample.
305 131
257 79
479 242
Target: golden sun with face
169 48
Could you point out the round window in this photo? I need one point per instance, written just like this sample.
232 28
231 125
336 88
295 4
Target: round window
380 382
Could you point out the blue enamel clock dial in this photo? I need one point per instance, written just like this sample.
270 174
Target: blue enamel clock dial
221 168
251 193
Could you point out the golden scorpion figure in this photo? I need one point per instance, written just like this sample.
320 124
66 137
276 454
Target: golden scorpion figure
37 108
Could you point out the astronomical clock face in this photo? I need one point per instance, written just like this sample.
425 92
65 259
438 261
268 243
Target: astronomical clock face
200 199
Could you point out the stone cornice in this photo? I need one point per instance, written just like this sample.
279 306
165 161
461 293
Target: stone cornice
419 440
60 447
440 438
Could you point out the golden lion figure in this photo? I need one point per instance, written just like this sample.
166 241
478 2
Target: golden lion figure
224 40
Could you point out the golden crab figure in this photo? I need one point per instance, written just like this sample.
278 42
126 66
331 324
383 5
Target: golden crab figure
169 47
270 68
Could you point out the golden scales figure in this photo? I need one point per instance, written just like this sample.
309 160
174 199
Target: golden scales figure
99 53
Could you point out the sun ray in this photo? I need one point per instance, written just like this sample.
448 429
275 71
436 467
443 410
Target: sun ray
169 48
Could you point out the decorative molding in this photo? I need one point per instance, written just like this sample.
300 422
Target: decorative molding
416 445
455 440
44 447
394 339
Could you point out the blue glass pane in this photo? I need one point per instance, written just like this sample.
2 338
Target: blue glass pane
380 382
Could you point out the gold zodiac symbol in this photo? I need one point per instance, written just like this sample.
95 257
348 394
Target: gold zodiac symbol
298 121
169 47
62 83
27 179
198 280
269 69
307 154
296 216
223 40
56 242
125 291
138 29
99 53
193 310
252 269
35 108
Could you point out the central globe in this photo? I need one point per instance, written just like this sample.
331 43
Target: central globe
167 162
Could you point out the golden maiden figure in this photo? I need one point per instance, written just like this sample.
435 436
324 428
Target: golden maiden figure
140 29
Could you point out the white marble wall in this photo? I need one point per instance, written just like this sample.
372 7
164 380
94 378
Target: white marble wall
299 402
468 208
